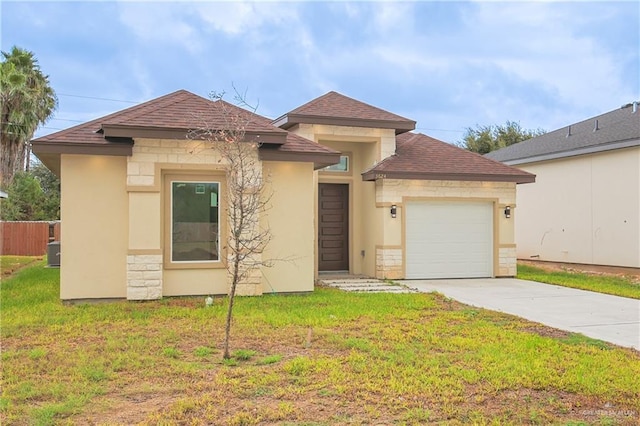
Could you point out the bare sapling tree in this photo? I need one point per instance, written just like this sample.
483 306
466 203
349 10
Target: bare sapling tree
246 195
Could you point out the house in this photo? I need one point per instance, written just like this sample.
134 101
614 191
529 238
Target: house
585 205
353 191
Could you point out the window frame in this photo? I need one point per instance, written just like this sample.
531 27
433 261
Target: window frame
349 170
169 179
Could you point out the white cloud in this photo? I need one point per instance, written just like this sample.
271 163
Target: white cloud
239 18
392 17
412 61
160 22
191 24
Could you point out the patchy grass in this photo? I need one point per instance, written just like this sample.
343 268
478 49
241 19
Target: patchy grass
616 285
243 354
371 358
11 264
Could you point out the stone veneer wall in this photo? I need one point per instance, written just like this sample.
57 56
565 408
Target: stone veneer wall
393 190
144 166
147 153
507 262
389 263
144 277
251 285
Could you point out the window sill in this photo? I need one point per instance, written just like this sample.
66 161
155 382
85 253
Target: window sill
195 265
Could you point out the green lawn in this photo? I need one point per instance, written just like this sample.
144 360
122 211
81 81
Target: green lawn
618 286
319 359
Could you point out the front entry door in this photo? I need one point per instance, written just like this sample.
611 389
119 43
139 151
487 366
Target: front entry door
333 227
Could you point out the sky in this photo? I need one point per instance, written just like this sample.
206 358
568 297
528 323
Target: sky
448 65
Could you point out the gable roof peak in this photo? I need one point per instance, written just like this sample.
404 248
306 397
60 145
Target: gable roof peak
334 108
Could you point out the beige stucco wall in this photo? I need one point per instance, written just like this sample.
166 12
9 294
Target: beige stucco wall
94 210
115 212
366 147
384 140
192 282
148 276
290 218
583 209
363 227
390 251
133 200
144 220
376 239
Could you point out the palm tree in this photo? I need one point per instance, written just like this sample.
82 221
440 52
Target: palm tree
27 101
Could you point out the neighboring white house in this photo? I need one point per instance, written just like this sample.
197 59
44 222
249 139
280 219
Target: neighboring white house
585 204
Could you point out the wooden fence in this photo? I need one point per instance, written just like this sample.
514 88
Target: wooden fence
26 238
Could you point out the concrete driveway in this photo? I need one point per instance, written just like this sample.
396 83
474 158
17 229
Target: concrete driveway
610 318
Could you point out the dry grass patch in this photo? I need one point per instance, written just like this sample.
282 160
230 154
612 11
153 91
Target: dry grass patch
10 264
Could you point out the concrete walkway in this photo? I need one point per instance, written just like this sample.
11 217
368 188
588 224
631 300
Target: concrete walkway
610 318
364 284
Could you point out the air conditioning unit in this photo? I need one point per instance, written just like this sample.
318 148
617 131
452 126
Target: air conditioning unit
53 254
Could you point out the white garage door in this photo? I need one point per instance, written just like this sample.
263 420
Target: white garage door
449 239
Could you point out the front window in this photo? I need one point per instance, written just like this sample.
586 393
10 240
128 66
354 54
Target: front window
195 221
342 166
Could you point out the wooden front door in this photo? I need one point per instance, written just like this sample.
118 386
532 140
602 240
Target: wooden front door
333 227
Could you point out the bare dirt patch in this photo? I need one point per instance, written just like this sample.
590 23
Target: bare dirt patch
545 331
128 410
13 264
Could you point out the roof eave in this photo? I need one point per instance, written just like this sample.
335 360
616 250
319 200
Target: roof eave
121 147
319 159
49 152
282 122
51 161
150 132
373 175
289 120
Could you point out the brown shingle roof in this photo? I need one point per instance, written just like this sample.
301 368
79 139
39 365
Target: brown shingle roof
185 110
85 133
173 116
422 157
179 111
336 109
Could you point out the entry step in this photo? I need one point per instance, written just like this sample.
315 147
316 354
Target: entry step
368 285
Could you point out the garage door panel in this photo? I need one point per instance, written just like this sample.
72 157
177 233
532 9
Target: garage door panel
449 239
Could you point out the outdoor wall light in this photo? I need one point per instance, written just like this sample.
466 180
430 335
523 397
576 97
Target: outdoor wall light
394 210
507 212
